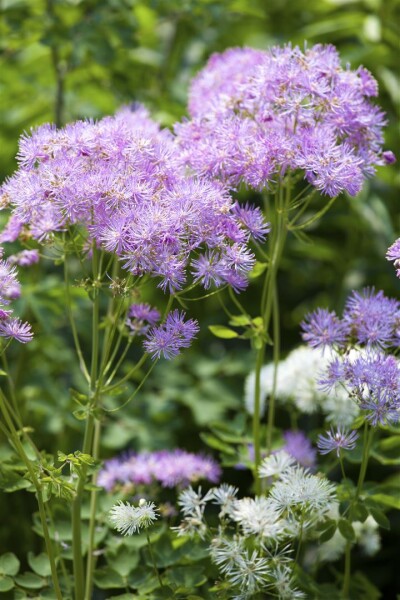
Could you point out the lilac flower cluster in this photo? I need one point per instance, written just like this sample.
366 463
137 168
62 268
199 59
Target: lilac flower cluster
169 468
369 319
167 339
121 179
141 317
11 327
361 344
257 114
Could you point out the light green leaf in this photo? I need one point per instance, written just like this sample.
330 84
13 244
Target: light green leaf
9 564
220 331
40 564
31 581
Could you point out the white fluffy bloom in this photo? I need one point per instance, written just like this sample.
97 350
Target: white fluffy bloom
249 573
225 496
296 380
226 553
275 464
332 549
284 584
340 409
128 519
299 489
367 535
192 503
258 516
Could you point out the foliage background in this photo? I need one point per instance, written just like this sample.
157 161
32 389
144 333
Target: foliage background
68 59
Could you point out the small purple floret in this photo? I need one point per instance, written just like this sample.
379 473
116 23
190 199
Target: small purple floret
337 441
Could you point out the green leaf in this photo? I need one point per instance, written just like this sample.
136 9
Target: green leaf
123 561
31 581
187 577
380 518
40 564
6 583
346 529
257 270
389 500
387 451
9 564
106 578
328 533
220 331
360 513
239 320
214 442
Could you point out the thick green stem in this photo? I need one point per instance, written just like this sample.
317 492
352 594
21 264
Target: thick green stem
276 354
91 559
87 443
367 438
42 513
268 300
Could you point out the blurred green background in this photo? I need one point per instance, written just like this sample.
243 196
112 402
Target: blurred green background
67 59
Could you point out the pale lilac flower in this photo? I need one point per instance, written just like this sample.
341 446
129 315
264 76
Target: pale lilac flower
257 114
336 441
372 318
121 181
15 329
141 317
167 339
25 258
323 329
299 446
169 468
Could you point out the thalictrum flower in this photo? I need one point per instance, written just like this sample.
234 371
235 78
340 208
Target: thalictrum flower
337 441
128 519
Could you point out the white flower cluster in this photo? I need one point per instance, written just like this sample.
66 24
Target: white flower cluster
297 383
253 544
128 519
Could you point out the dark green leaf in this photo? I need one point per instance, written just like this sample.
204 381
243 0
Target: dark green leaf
346 529
380 518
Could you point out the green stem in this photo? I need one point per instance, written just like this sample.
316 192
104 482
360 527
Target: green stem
42 513
276 354
78 348
269 299
156 571
91 559
87 443
367 438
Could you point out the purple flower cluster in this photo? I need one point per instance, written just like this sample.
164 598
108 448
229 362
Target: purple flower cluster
167 339
141 317
11 327
122 179
257 114
369 319
169 468
362 341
